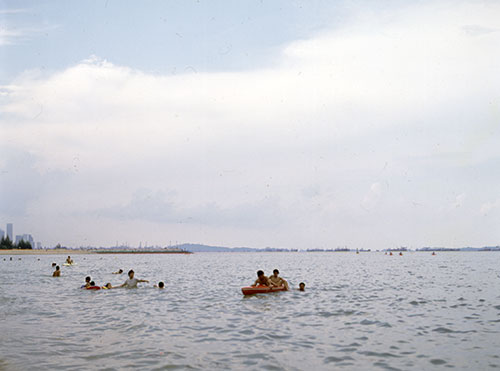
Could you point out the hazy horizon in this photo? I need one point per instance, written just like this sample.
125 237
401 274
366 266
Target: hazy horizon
283 124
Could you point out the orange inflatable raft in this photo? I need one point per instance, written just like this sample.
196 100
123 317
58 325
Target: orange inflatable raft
260 289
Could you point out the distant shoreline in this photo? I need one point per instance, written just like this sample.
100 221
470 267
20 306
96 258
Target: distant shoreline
81 252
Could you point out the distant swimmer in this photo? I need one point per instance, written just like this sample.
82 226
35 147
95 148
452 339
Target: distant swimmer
87 282
132 282
54 264
69 260
400 254
108 286
261 279
302 286
433 253
160 285
277 281
120 271
390 253
57 272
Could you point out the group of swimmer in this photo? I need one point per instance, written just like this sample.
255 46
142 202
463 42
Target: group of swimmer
130 283
274 281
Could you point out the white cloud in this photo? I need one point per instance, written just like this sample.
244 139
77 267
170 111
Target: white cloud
407 98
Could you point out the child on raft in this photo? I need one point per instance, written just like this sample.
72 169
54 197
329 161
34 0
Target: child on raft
262 279
277 281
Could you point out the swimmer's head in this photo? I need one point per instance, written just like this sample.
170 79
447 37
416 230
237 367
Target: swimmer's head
161 285
87 279
108 285
260 273
54 264
120 270
57 268
276 272
131 273
302 286
92 283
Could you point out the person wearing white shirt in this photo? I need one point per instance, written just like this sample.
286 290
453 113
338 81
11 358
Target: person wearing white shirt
132 282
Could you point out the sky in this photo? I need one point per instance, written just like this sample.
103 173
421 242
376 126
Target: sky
288 124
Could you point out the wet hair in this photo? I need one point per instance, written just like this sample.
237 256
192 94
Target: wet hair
161 285
130 271
92 283
107 285
120 270
260 273
87 279
302 284
276 271
54 264
57 268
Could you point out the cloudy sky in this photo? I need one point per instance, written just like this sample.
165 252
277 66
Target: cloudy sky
299 124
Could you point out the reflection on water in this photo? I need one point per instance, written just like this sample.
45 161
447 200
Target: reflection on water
364 311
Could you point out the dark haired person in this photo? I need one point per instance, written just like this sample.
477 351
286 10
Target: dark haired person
261 279
277 281
120 271
87 282
302 286
132 282
160 285
57 272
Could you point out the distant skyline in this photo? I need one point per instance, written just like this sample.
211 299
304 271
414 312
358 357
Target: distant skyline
302 124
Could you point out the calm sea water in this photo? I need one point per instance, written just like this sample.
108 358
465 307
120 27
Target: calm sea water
366 311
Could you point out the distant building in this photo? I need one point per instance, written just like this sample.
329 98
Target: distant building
10 231
2 233
19 238
38 245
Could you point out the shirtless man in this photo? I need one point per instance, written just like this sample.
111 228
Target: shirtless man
261 280
277 281
132 282
69 260
57 272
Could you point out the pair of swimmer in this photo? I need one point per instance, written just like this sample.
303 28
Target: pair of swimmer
274 281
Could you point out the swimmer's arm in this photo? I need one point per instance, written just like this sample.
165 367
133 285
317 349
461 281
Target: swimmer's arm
143 281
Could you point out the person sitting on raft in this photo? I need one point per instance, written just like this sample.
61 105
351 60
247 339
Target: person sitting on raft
69 260
57 272
132 282
277 281
261 279
120 271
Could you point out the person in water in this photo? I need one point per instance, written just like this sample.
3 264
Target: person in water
132 282
120 271
87 282
160 285
277 281
57 272
54 264
302 286
262 279
69 260
108 286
